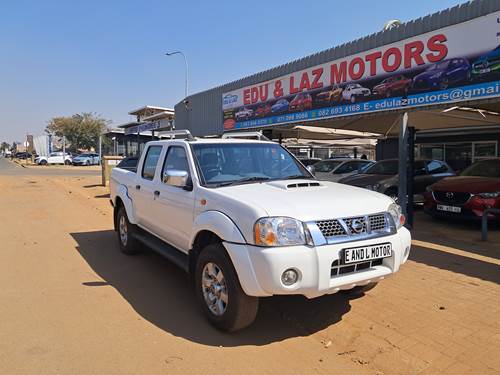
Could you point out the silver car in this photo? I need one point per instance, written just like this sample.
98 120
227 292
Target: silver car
336 169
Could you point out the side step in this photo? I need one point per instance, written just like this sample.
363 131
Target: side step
177 257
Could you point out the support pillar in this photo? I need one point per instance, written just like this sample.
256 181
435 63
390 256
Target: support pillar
403 166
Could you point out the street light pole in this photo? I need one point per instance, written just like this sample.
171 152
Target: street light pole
187 70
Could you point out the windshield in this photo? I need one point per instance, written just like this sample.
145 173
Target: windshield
326 165
223 164
389 167
441 65
485 168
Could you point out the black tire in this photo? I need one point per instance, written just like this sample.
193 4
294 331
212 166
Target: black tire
43 162
67 162
128 244
358 290
240 309
87 163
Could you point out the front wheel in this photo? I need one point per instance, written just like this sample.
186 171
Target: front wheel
67 162
219 292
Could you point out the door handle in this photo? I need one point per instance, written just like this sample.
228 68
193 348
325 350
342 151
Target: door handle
157 193
138 187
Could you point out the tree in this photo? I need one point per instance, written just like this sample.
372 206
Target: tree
4 146
81 131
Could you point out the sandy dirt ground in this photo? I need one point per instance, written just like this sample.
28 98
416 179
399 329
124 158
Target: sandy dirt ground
71 303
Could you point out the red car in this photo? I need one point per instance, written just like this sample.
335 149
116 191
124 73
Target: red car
301 102
466 196
395 84
263 110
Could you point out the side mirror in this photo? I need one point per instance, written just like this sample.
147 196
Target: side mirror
176 177
311 169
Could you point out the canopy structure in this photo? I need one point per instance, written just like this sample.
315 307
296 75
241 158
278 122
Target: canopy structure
386 123
305 132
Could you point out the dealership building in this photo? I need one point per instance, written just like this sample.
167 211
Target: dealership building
441 70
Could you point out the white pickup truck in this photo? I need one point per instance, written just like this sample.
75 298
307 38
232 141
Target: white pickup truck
246 219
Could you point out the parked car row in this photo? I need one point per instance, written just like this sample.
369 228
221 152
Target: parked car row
59 157
442 192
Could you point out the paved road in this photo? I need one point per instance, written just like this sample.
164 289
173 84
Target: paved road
9 168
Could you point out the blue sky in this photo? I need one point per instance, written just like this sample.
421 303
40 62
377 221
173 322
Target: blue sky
63 57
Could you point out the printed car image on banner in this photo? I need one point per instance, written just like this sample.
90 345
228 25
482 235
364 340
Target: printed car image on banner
452 64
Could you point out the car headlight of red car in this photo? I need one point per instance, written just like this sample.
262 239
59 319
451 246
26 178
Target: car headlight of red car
490 195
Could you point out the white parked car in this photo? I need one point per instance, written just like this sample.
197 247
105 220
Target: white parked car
247 220
338 168
354 91
244 114
54 158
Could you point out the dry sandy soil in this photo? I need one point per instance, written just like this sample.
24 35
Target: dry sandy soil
71 303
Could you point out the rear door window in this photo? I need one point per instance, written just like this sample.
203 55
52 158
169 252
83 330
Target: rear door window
150 162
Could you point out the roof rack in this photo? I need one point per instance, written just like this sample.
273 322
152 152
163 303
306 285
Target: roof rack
247 135
174 133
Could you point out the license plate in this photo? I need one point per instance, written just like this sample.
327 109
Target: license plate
486 70
365 253
454 209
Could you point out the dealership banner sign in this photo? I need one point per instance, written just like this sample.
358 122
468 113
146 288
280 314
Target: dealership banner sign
457 63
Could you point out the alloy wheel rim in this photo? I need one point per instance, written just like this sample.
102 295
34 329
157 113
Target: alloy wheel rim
123 231
213 285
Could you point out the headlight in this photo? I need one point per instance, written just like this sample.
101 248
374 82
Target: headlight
490 195
397 215
281 231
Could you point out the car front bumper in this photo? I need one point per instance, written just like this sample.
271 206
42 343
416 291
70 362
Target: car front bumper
259 269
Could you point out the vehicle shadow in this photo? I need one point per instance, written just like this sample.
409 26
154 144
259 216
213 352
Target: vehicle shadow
161 293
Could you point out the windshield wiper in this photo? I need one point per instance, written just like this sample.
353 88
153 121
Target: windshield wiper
243 180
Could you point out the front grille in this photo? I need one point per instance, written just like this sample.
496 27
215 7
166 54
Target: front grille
453 198
343 269
331 228
349 228
377 222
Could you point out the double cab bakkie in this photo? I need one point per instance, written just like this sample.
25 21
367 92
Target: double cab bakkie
247 220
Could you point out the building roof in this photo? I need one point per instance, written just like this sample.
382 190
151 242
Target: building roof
148 110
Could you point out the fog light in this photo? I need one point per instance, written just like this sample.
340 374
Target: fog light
289 277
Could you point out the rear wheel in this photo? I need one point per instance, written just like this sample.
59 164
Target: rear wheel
125 231
43 162
219 292
67 162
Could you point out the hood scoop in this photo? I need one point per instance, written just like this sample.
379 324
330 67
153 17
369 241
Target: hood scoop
302 185
295 185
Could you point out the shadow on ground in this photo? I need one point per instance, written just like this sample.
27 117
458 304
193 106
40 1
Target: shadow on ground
161 294
457 235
